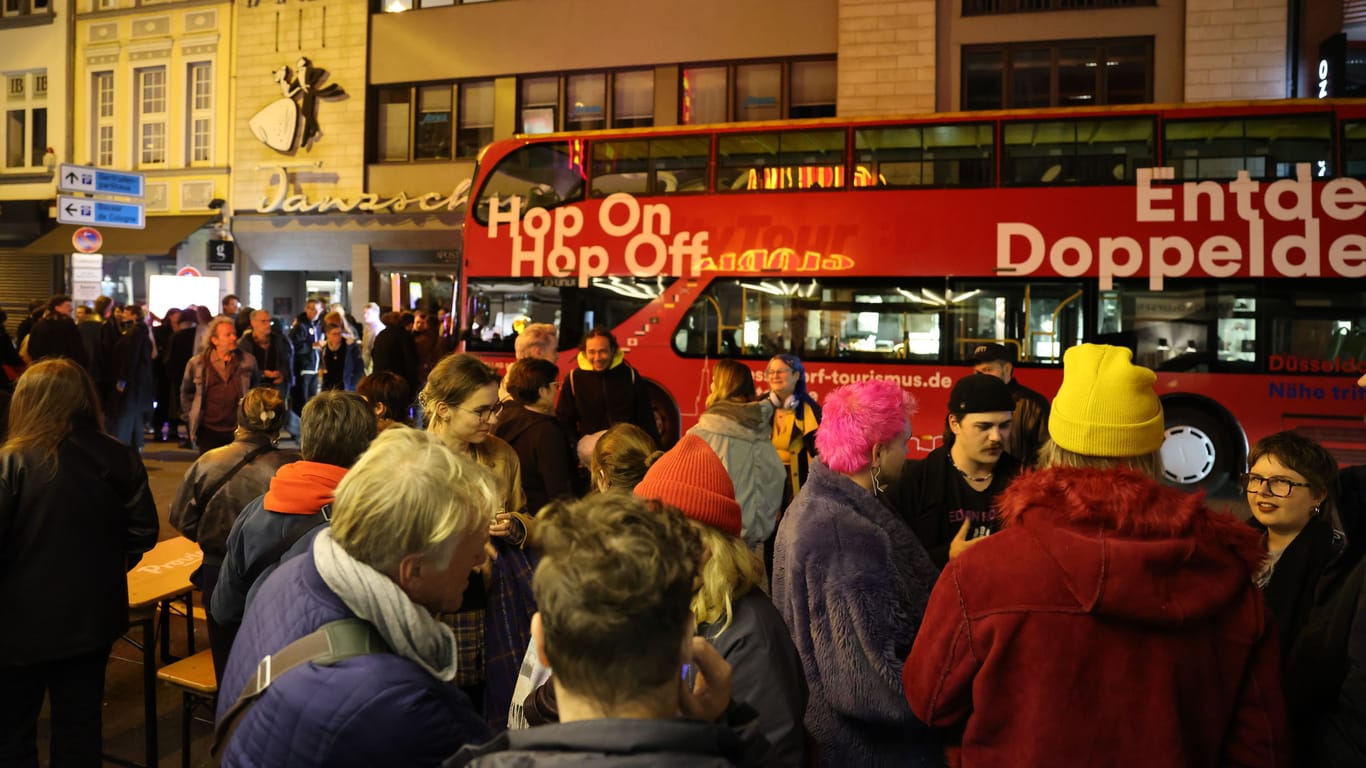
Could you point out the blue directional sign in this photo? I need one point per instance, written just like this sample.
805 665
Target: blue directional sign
103 213
99 181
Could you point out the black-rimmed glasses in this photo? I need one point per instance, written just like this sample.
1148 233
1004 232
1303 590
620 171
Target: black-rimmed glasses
485 412
1278 486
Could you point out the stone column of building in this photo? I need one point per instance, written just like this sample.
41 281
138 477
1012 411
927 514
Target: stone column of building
886 57
1235 49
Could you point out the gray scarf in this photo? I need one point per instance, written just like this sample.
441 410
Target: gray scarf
408 628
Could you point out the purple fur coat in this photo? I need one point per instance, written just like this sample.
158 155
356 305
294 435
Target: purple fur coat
851 580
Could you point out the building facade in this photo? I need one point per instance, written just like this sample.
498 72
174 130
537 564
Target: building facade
336 134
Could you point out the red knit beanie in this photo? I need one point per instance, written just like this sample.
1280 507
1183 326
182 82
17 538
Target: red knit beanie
692 478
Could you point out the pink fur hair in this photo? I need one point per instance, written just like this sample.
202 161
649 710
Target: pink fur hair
857 417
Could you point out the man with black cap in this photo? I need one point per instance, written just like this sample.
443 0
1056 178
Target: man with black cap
947 496
1030 430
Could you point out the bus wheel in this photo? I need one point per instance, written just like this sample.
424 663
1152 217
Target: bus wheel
1196 452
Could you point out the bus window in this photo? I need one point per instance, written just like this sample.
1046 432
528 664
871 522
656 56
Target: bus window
1354 150
1317 327
834 319
495 306
916 156
1266 147
650 167
1169 330
1039 320
1073 151
789 160
541 175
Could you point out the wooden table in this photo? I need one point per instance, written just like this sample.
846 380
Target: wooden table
162 577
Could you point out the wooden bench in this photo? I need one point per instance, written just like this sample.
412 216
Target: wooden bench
194 677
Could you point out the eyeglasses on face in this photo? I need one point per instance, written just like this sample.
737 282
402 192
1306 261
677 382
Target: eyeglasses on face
771 372
1278 486
485 412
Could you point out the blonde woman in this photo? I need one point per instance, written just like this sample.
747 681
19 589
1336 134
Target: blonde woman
739 430
620 458
730 607
461 403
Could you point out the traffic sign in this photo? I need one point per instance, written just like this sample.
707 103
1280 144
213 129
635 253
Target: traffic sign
87 240
86 210
99 181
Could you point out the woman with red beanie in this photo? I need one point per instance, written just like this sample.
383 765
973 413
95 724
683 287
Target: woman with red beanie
731 609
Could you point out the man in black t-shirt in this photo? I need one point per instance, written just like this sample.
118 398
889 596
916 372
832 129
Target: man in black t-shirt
947 497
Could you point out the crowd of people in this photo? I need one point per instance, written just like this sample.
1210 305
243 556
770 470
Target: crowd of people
459 567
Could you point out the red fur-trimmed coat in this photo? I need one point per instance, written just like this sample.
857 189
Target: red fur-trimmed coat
1113 621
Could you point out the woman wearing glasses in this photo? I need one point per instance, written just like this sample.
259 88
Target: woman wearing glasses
1287 488
796 417
493 627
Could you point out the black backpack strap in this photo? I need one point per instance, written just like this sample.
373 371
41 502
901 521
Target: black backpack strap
204 497
332 642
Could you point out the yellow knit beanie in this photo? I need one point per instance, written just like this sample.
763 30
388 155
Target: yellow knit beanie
1106 405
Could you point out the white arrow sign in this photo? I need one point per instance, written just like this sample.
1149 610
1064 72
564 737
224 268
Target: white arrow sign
104 213
99 181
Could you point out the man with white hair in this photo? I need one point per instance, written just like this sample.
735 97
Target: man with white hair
395 554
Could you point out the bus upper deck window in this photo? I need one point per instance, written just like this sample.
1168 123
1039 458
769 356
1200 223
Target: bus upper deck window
542 175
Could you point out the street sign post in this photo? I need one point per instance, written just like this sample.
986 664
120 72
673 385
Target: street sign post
99 181
104 213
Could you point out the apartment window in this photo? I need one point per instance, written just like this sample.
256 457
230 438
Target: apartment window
14 9
102 110
416 122
433 140
633 99
200 93
704 95
151 115
762 90
1057 74
813 89
540 104
25 119
586 101
476 118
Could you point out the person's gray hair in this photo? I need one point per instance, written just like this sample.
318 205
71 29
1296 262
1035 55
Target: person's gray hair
537 340
441 499
213 329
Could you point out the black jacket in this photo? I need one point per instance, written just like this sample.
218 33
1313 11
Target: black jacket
279 356
591 401
1029 431
395 350
66 543
548 464
929 497
57 336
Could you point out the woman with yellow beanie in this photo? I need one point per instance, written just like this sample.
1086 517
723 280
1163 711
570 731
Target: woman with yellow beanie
1113 620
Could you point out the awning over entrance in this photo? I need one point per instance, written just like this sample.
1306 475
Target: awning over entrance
162 235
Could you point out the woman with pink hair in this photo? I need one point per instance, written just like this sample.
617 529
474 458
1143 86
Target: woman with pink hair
851 581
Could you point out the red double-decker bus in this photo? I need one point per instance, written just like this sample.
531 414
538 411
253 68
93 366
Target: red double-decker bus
1225 244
